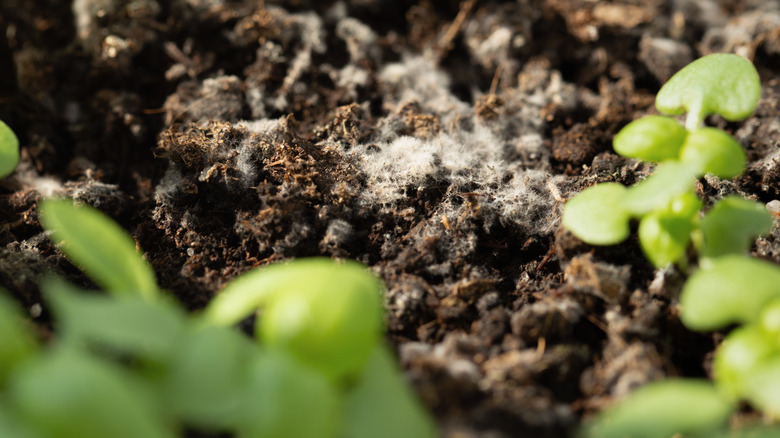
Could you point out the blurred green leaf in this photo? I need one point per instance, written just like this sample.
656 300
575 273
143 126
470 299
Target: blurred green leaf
733 288
326 313
743 350
663 409
762 387
128 324
99 246
16 342
382 404
732 225
283 398
206 376
9 150
66 394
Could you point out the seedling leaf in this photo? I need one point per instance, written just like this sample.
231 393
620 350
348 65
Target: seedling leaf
651 138
732 225
733 288
99 246
381 404
9 150
670 180
596 215
713 151
720 83
664 409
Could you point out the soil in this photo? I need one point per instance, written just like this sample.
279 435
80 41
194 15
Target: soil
434 140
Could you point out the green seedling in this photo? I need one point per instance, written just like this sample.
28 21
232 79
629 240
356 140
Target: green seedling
601 216
9 150
328 314
674 407
99 246
729 287
723 84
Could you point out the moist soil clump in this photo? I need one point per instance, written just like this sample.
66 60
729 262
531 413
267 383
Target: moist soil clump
434 141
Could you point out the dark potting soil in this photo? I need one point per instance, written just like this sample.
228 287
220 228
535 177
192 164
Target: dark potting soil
434 141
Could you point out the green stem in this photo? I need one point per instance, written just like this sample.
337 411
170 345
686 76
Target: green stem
695 117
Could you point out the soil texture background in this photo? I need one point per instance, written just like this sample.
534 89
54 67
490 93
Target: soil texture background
434 140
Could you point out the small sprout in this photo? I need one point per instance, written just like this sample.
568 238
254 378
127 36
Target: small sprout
283 398
100 247
711 150
733 288
732 225
666 234
381 405
596 214
651 138
9 150
743 350
670 180
664 409
723 84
